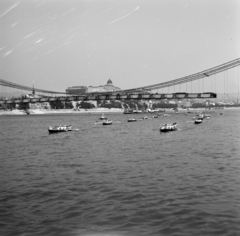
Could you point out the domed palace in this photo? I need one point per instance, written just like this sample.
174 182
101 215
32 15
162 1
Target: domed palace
109 87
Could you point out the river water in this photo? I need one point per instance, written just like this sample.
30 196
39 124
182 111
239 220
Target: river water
127 179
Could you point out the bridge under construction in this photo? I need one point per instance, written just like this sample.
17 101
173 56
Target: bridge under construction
140 93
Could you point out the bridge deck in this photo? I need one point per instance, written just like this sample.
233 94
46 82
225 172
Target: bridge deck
113 96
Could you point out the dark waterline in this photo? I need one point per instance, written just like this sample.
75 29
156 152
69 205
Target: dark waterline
120 180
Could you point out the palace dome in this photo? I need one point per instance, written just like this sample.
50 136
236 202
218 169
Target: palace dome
109 81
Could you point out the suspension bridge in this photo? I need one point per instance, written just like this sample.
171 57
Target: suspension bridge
210 77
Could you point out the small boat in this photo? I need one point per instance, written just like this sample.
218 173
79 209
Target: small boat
132 119
145 117
107 122
58 129
155 116
128 111
206 116
168 127
103 117
137 111
198 121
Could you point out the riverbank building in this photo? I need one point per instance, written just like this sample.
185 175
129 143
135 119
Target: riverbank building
79 90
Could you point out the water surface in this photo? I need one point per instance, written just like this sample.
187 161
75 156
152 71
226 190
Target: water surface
127 179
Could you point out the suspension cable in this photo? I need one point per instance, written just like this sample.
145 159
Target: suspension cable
238 78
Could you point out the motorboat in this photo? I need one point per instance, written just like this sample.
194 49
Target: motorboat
131 119
107 122
145 118
155 116
168 127
198 121
103 117
58 129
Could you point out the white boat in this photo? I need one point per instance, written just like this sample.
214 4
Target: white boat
168 127
107 122
131 119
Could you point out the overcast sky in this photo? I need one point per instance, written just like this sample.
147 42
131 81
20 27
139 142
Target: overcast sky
62 43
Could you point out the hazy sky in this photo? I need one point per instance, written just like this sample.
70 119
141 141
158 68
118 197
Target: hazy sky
62 43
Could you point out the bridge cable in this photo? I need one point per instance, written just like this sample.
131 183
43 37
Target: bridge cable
224 74
214 83
211 81
227 80
202 84
238 78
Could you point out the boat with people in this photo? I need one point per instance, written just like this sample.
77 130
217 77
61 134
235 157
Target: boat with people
60 128
198 121
200 116
168 127
131 119
103 117
107 122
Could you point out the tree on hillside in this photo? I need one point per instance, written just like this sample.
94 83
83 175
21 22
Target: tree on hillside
86 105
164 105
56 105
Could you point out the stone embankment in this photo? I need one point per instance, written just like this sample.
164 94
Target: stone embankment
59 111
